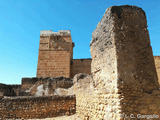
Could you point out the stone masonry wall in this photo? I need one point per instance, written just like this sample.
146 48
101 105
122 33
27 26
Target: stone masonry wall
36 107
124 82
157 63
9 90
85 97
44 86
55 54
137 80
53 63
80 66
27 83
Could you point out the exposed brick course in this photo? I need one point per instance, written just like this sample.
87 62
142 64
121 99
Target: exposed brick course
80 66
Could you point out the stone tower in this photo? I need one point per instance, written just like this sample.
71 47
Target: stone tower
55 54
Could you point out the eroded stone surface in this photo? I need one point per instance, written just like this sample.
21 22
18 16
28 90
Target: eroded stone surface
157 63
123 69
46 86
36 107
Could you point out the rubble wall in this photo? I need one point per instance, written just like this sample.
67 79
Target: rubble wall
36 107
157 63
44 86
9 90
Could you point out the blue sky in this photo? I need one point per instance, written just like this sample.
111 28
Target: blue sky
22 20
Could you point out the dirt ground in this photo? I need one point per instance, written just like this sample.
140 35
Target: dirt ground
73 117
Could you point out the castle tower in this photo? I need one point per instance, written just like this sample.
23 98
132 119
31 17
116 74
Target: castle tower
55 54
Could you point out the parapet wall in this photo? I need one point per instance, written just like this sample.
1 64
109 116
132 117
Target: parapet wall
36 107
80 66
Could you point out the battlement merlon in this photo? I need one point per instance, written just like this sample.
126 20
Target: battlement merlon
59 33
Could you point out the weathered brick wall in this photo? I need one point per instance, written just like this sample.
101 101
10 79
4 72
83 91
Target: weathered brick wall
36 107
124 81
55 54
80 66
157 63
57 64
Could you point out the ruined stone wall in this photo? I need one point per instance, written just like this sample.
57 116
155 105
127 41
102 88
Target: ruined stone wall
36 107
85 97
124 82
80 66
9 90
84 66
55 54
157 63
28 83
16 88
44 86
137 80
